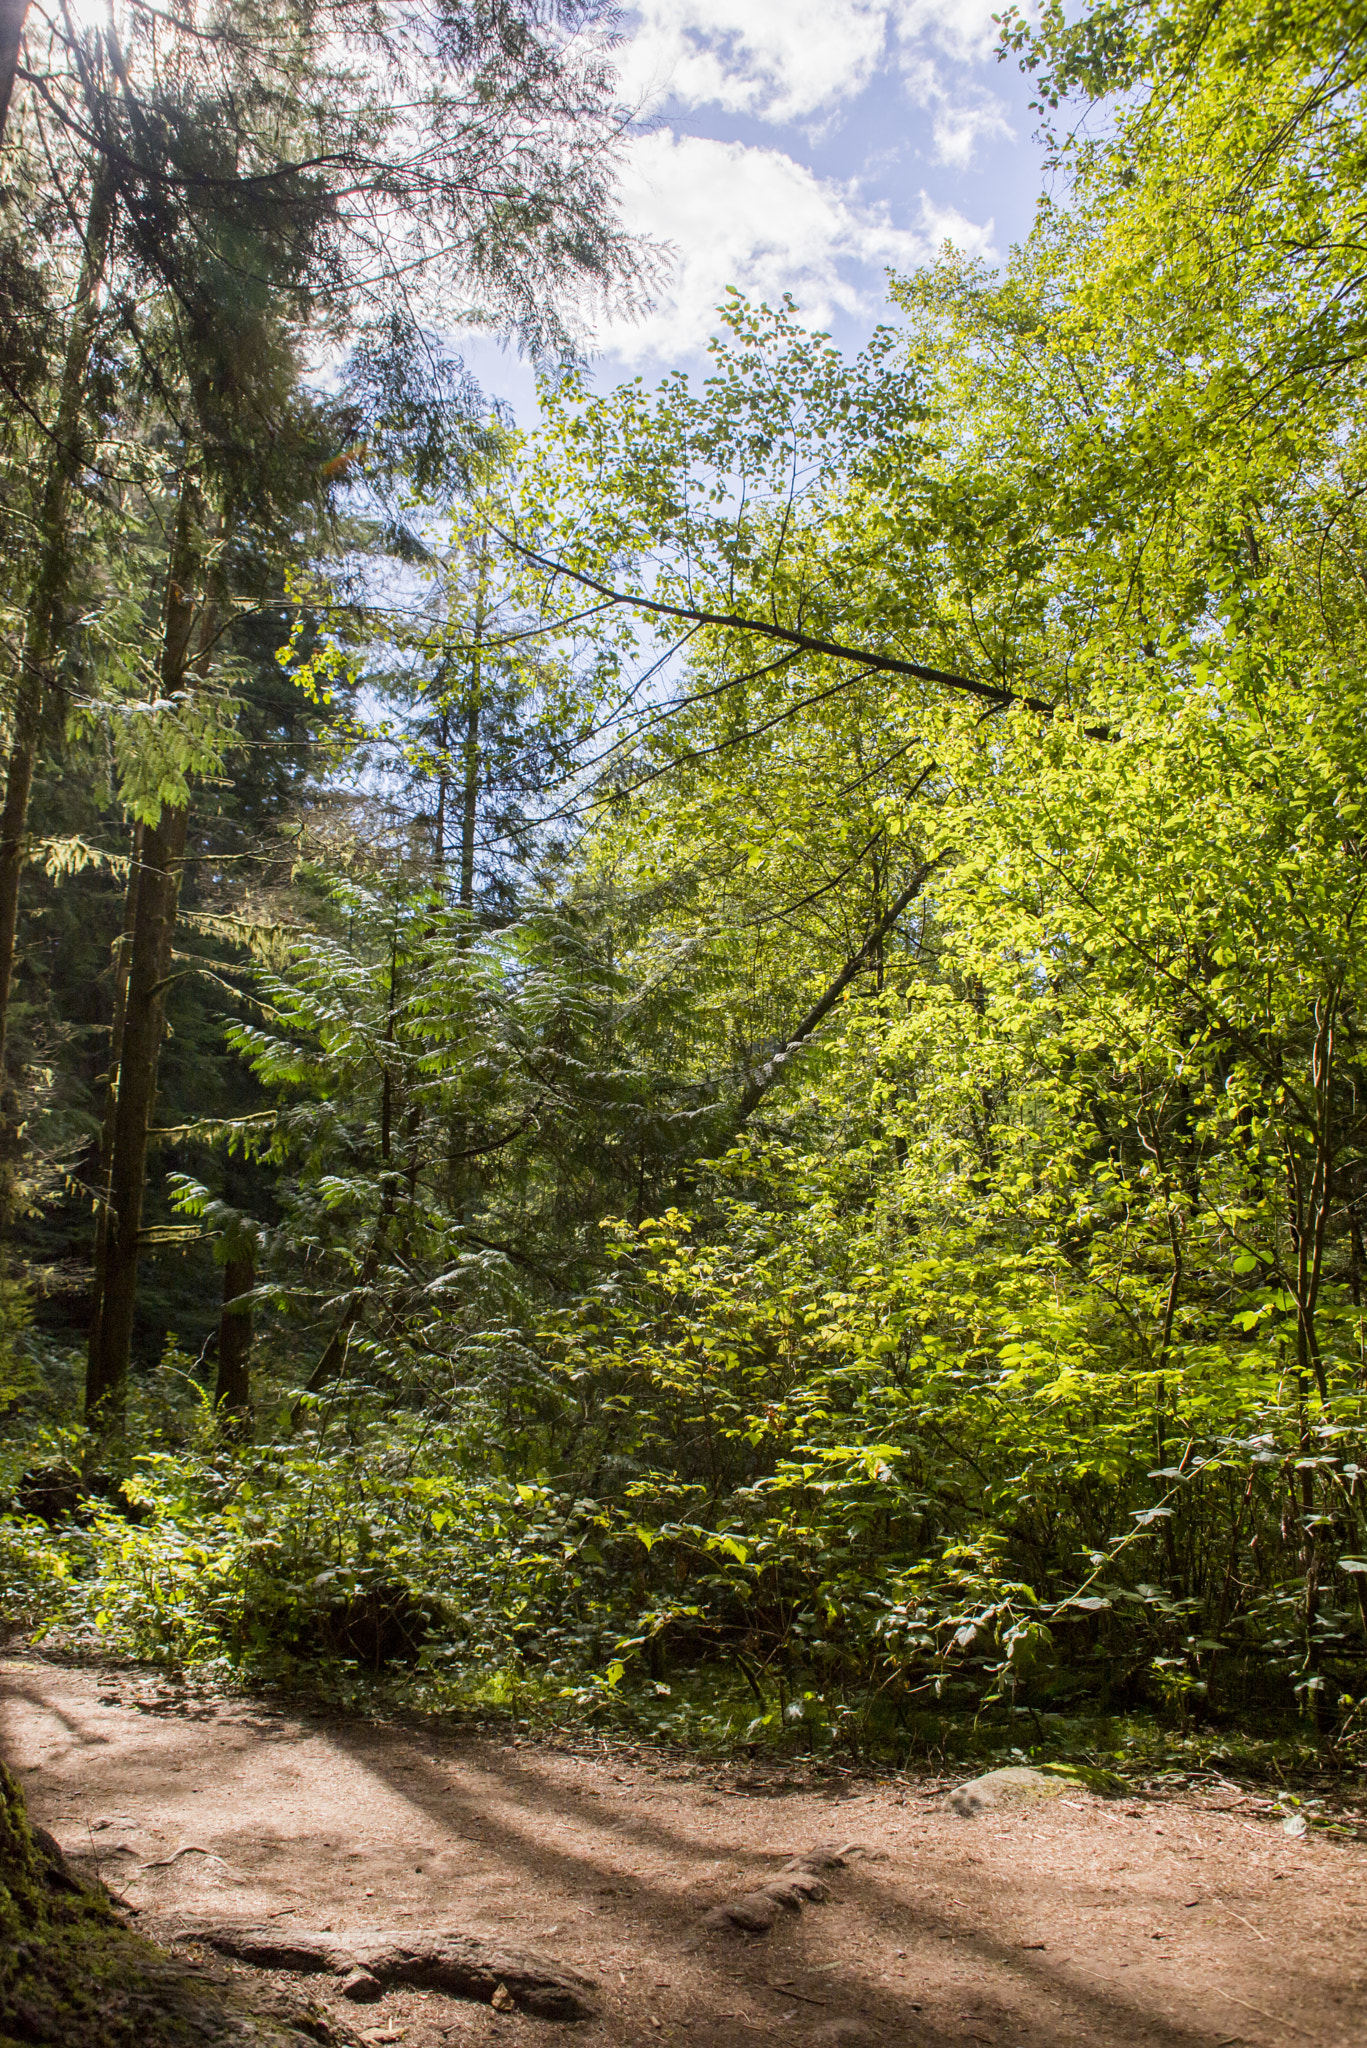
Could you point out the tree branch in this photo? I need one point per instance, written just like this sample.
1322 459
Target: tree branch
821 1009
994 694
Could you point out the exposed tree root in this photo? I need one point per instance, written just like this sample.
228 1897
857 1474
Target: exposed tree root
429 1959
801 1882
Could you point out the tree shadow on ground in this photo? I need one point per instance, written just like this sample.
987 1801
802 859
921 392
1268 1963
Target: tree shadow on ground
503 1802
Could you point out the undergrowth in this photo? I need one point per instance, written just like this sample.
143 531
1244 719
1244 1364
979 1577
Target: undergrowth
356 1562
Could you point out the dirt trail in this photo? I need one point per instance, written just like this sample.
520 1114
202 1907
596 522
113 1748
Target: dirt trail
1083 1922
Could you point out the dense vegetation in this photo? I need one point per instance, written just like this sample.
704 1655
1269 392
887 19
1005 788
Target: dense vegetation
764 1016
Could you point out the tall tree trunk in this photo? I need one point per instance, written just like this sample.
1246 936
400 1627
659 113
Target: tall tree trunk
49 582
12 14
232 1395
149 969
460 1171
469 807
111 1103
470 793
443 787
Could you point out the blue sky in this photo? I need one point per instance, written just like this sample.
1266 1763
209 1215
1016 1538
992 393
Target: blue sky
805 146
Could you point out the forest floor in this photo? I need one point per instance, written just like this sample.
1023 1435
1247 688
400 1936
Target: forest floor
1098 1923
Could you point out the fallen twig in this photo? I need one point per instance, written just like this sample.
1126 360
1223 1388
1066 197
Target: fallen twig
189 1849
791 1991
1271 2017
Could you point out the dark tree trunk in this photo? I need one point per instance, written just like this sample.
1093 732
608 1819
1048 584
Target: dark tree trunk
154 927
233 1394
12 14
149 969
111 1101
470 764
469 807
49 581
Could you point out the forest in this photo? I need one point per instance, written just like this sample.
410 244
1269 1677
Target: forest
694 1066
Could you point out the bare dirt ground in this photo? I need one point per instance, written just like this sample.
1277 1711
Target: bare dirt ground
1083 1921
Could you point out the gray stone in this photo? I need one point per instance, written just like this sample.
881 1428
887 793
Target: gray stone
1016 1785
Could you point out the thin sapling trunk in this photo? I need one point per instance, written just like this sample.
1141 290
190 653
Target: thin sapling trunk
232 1395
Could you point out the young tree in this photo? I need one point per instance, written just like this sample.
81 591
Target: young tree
362 156
154 888
48 587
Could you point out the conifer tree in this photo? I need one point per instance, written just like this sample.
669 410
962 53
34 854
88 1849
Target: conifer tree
268 134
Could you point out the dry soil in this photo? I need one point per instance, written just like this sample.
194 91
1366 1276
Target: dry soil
1087 1922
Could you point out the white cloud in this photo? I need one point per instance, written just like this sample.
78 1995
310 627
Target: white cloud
941 224
956 129
785 61
960 114
780 60
963 29
759 220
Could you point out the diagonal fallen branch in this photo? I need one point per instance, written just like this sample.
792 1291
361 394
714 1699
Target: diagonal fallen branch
428 1959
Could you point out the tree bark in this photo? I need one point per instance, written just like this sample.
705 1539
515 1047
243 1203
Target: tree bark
469 808
12 14
149 969
49 582
149 972
773 1067
111 1104
469 816
232 1395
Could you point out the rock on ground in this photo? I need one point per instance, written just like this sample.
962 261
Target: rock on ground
1015 1785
